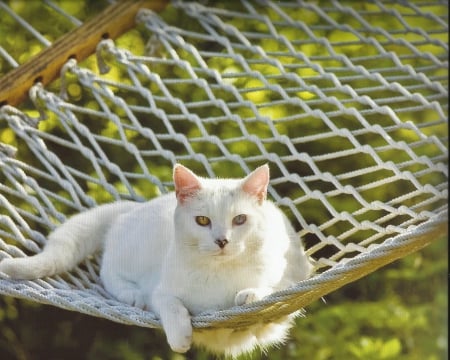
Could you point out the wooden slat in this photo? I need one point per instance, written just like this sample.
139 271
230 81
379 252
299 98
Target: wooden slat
78 43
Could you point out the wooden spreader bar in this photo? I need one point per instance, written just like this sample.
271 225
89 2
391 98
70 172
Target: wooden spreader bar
78 43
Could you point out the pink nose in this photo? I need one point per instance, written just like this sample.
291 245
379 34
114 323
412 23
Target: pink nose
221 242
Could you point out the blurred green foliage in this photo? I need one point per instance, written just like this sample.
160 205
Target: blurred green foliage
398 312
22 45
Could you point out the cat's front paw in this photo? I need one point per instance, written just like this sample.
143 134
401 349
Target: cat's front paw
250 295
179 336
133 297
180 344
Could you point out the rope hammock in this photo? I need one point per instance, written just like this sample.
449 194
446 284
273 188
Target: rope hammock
347 102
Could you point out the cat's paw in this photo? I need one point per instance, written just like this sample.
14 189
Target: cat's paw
180 344
175 320
250 295
179 337
246 296
132 297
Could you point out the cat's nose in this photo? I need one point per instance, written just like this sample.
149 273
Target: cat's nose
221 242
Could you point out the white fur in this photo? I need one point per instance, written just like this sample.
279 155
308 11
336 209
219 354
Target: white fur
157 257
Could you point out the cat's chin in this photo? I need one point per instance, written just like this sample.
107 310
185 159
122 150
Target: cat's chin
222 254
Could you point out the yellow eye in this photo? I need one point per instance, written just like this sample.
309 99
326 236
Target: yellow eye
202 220
239 219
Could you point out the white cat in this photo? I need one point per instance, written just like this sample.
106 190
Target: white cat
212 244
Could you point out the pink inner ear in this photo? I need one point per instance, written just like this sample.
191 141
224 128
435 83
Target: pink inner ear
257 182
186 182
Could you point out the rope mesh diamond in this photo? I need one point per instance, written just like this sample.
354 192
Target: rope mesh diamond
346 101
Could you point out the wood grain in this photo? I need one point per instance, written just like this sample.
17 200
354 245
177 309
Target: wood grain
78 43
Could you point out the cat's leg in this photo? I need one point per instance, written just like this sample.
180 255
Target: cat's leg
176 321
124 290
247 296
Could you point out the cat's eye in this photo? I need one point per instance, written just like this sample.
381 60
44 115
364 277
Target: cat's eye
239 219
202 220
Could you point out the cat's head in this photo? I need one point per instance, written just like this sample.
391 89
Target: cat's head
220 217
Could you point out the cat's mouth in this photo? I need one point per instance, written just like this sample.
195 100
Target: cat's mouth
218 252
222 252
225 253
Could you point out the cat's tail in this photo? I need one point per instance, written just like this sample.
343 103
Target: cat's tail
79 237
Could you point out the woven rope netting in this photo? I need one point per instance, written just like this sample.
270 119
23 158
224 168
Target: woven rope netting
346 101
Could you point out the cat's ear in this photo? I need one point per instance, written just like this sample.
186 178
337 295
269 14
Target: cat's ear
186 182
256 183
